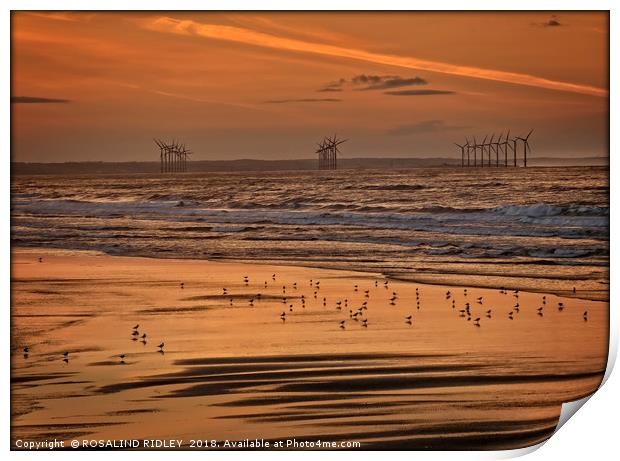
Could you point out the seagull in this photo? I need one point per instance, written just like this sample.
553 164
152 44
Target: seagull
560 307
66 355
182 285
135 333
122 357
26 350
585 316
408 319
489 313
477 321
510 315
480 300
143 336
161 347
365 322
136 327
342 324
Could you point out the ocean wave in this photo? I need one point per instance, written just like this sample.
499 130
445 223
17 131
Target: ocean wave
544 209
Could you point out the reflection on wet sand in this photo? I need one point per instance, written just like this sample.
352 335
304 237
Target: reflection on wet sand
251 351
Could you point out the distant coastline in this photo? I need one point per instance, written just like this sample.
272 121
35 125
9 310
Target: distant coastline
198 166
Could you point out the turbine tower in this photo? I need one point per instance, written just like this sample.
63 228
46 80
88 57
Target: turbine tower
526 147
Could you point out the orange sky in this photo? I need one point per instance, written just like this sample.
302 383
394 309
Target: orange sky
100 86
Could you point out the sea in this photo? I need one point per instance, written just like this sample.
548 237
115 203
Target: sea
539 229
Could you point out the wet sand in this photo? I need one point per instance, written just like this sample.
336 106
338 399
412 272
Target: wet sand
233 369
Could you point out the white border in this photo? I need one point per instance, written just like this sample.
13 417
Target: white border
590 435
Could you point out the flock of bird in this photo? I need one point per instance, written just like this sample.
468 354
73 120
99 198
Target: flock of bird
357 315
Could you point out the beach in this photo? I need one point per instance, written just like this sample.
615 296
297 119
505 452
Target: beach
233 367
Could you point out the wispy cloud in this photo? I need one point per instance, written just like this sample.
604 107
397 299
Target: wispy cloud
36 100
252 37
62 16
365 82
284 101
553 21
426 126
418 92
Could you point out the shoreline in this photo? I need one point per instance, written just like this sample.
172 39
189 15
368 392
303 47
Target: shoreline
444 278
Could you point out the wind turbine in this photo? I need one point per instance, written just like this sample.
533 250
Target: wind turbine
482 151
337 142
475 148
468 148
526 146
496 143
505 144
161 154
462 153
489 148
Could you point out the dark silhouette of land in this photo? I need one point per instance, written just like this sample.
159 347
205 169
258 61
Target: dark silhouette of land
25 168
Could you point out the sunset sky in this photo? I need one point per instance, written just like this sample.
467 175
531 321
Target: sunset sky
99 86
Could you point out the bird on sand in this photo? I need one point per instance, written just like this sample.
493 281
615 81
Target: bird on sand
365 322
161 347
342 324
585 316
136 326
477 321
26 350
122 357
